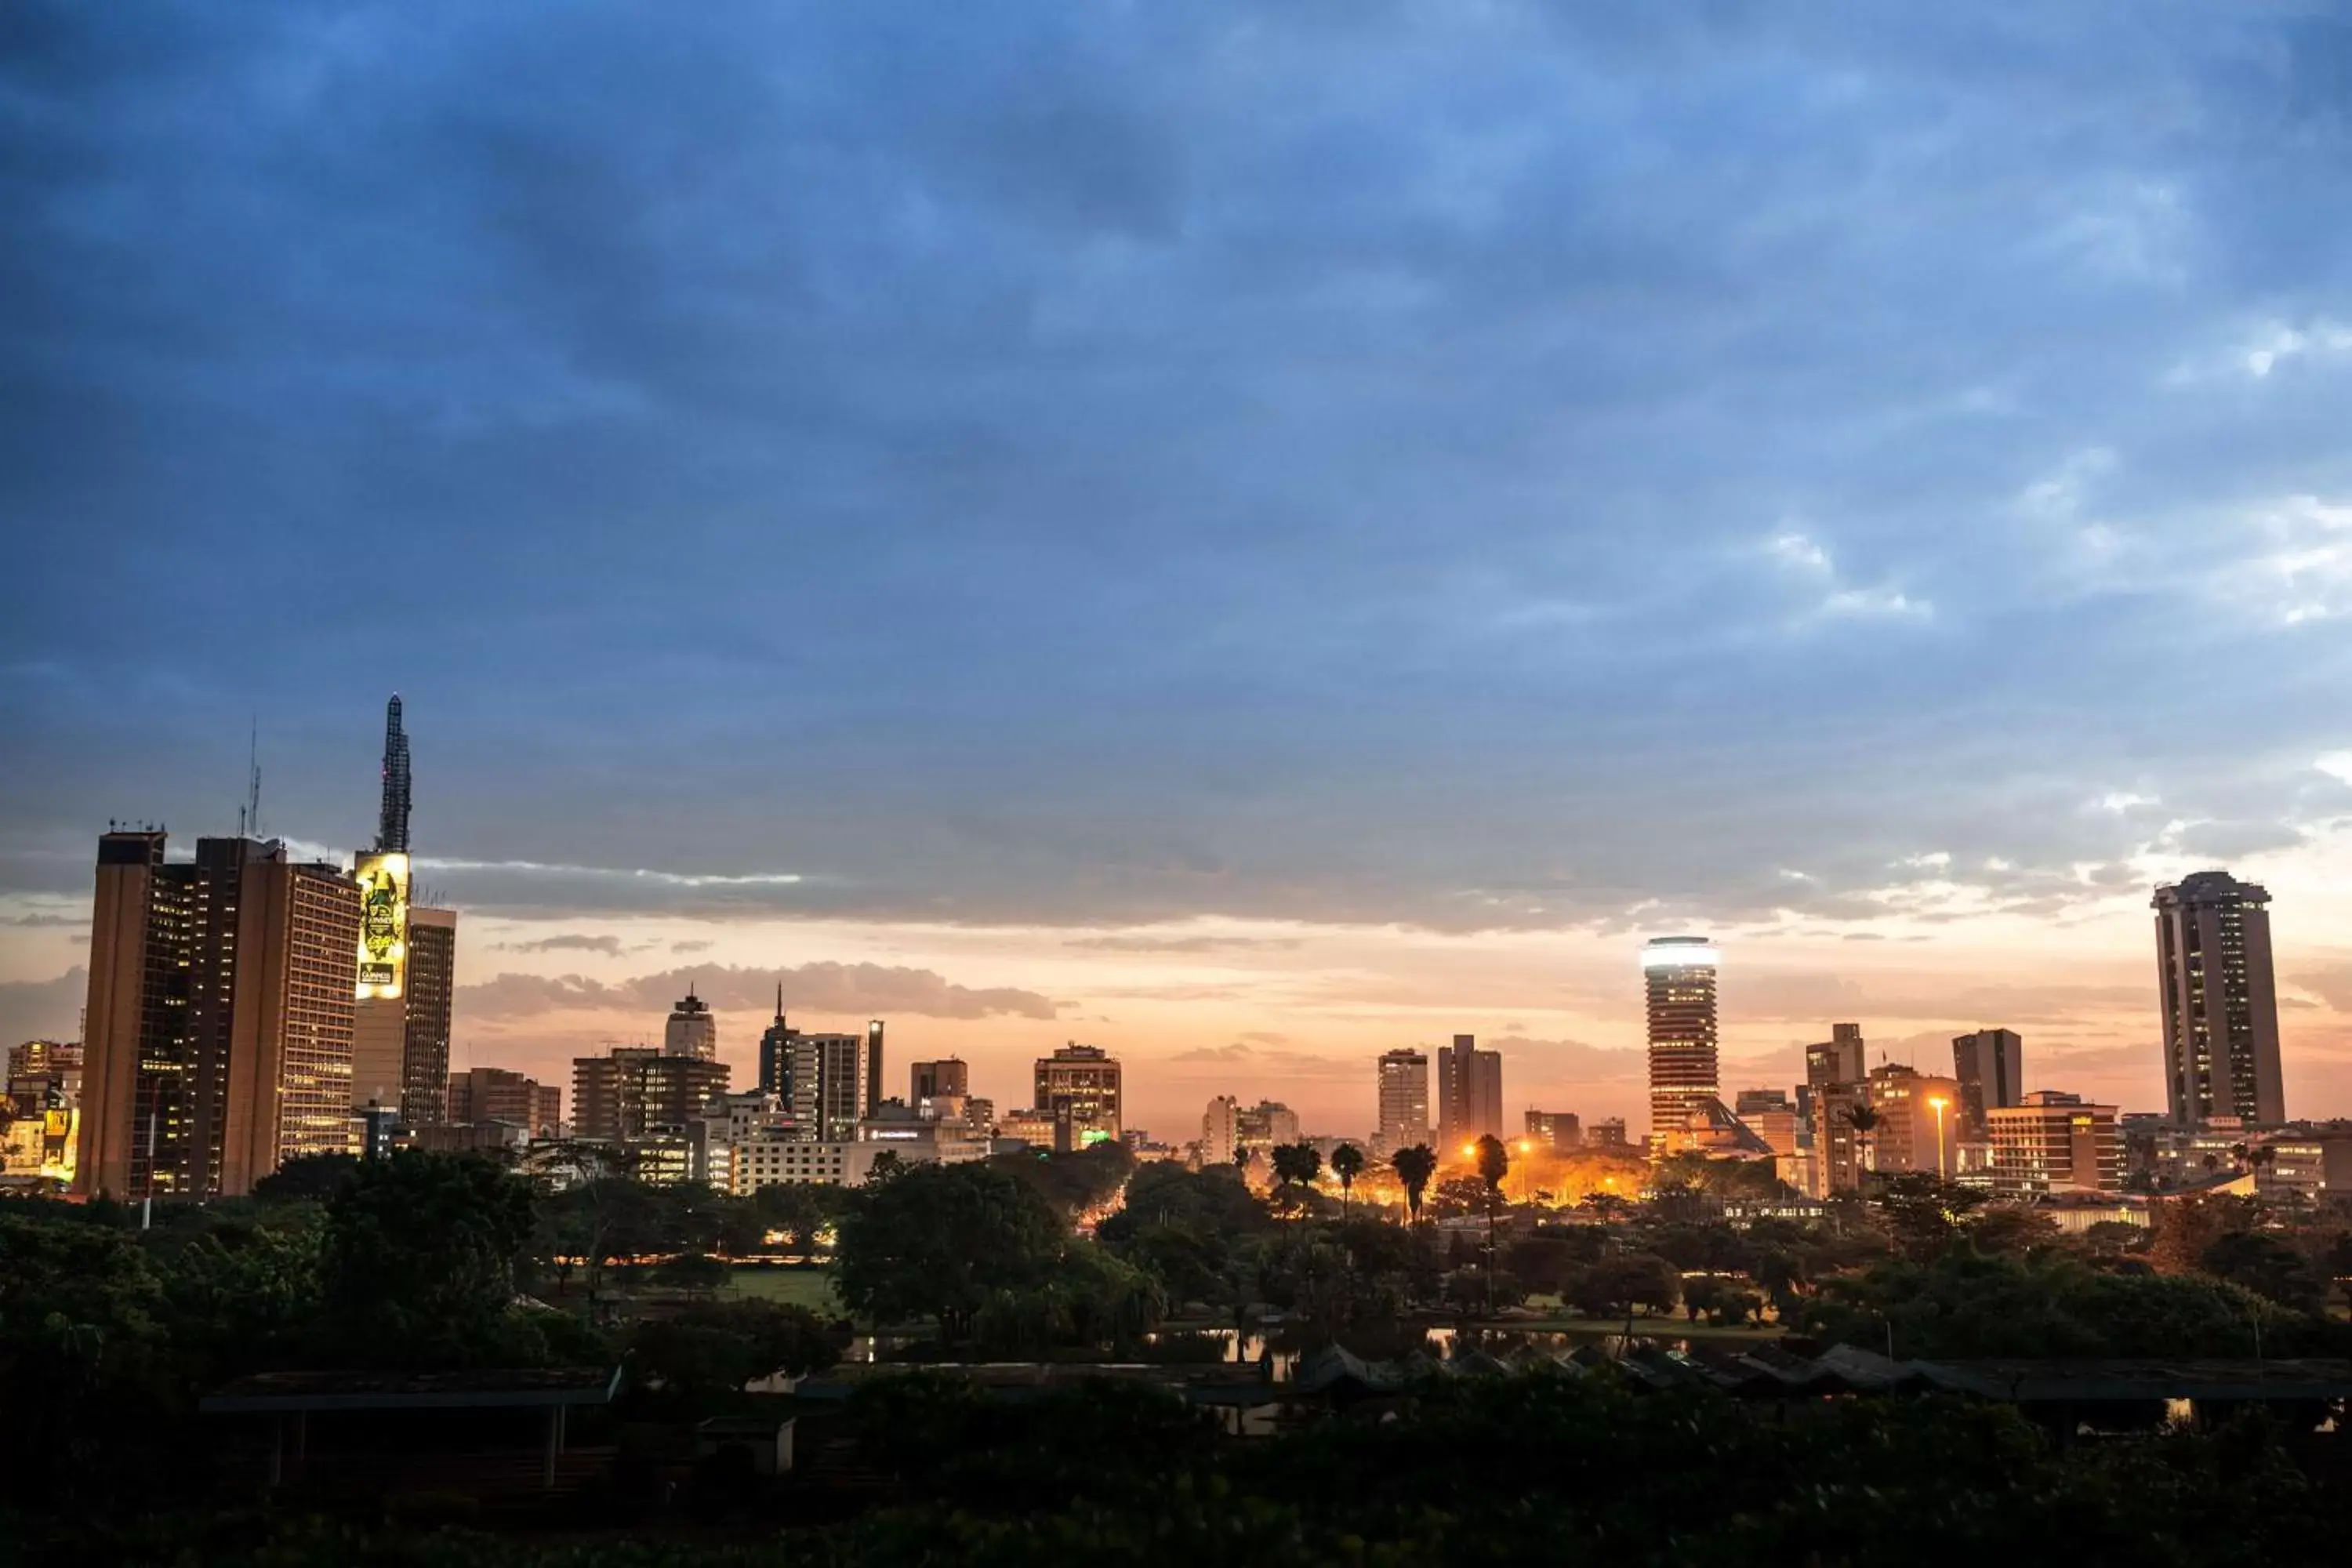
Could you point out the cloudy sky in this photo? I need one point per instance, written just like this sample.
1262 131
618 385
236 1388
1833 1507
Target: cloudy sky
1245 534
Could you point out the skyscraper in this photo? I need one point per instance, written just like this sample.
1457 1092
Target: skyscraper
1679 975
1469 1094
873 1066
220 1017
495 1094
1404 1100
635 1089
929 1081
1838 1059
407 965
776 1053
829 1092
2219 1004
1990 1067
431 1000
692 1031
1220 1131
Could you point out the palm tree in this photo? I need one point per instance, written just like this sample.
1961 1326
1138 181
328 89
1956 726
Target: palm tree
1346 1160
1298 1164
1414 1167
1864 1119
1494 1160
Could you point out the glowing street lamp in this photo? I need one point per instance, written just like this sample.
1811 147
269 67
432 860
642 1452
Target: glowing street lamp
1939 1104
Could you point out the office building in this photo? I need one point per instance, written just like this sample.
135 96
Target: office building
776 1052
692 1030
932 1080
1609 1132
1404 1100
2055 1142
635 1089
1030 1126
1266 1125
1919 1120
1678 974
1469 1095
432 1001
1078 1086
496 1094
44 1074
407 963
828 1091
1768 1113
1838 1059
219 1019
1838 1149
873 1066
1559 1129
2317 1164
1221 1131
1990 1066
2219 1003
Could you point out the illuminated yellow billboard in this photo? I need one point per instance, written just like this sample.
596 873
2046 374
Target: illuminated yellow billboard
383 924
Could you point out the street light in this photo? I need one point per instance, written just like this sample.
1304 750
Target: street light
1939 1103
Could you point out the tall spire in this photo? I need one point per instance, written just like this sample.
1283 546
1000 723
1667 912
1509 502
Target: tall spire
779 1001
392 828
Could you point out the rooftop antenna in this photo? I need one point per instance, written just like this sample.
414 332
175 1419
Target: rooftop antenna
248 815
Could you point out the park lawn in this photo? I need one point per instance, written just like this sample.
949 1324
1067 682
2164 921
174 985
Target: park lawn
810 1287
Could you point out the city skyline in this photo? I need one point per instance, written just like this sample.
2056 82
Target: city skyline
1199 531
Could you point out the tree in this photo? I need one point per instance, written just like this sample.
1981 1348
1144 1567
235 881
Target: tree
419 1260
1347 1161
1494 1162
1922 1214
718 1347
1864 1119
695 1273
1295 1164
940 1241
1415 1166
1618 1283
306 1178
2269 1268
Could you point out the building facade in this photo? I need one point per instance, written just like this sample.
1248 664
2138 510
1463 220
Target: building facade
1678 974
221 1010
692 1029
1404 1100
633 1090
1990 1066
1221 1131
1078 1087
2055 1142
1919 1120
1469 1095
1609 1132
931 1080
828 1089
2217 1001
1555 1128
496 1094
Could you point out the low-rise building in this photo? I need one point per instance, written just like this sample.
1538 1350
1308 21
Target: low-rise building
2055 1142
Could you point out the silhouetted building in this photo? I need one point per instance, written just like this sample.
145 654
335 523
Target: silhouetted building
1609 1132
1556 1128
636 1089
496 1094
776 1052
1678 976
692 1030
2219 1001
931 1080
1991 1067
1469 1095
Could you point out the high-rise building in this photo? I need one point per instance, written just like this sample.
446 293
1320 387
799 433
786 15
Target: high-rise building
1837 1146
1838 1059
1469 1095
1220 1130
1404 1100
828 1084
930 1080
873 1066
1609 1132
1078 1086
2051 1142
1555 1128
1991 1067
776 1052
635 1089
692 1030
392 820
496 1094
432 999
2220 1002
1268 1125
1678 973
219 1016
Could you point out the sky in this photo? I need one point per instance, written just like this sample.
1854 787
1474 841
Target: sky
1248 535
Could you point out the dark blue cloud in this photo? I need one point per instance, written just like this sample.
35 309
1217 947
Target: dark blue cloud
1083 463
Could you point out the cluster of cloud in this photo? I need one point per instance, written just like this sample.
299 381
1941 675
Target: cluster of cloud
849 989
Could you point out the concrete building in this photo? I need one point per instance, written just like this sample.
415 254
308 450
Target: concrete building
1990 1066
776 1052
1221 1131
1027 1126
1078 1087
44 1074
2217 1001
1559 1129
497 1094
1469 1095
1837 1147
1769 1114
635 1089
1838 1059
692 1029
1404 1100
219 1016
1678 976
829 1091
929 1081
1266 1124
400 1040
1918 1116
896 1132
2316 1164
1609 1132
2055 1142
